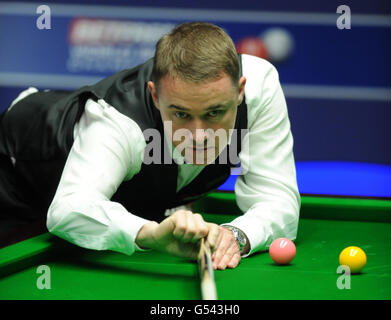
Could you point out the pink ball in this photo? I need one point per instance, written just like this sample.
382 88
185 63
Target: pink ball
282 251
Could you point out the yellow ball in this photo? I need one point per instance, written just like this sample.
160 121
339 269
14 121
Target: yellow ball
353 257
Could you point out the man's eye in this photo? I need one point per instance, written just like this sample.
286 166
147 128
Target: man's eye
215 113
180 115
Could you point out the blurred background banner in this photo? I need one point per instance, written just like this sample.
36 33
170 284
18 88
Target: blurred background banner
337 81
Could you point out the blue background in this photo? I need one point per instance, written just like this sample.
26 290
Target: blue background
347 138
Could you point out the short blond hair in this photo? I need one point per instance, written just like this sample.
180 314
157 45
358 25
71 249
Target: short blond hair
196 52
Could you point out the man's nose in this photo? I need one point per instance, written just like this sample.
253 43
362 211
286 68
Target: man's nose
200 138
199 132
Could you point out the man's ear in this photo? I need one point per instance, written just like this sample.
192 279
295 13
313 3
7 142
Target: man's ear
241 85
153 91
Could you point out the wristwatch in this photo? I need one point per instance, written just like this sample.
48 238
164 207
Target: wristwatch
240 237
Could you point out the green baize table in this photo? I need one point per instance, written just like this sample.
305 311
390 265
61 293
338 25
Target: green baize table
327 225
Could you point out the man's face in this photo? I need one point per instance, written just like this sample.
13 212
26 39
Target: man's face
198 114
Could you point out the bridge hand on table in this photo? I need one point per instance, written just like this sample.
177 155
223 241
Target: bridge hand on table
227 253
179 234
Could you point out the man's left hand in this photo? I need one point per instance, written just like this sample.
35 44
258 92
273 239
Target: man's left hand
227 253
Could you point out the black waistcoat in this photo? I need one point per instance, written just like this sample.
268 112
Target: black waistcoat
38 133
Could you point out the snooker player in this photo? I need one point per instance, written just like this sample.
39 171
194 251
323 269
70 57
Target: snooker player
79 157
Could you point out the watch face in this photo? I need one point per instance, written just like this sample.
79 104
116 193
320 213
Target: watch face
238 236
242 240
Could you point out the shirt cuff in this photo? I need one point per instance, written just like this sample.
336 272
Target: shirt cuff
138 224
130 228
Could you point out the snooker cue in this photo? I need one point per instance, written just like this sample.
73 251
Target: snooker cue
208 285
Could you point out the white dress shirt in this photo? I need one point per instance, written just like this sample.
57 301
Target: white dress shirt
109 147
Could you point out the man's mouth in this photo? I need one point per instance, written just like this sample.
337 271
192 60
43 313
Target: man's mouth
200 149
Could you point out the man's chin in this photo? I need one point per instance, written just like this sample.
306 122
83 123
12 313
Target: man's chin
198 164
200 161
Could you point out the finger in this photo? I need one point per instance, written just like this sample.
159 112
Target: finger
180 221
213 236
219 248
226 240
218 242
190 230
221 236
234 261
201 226
227 258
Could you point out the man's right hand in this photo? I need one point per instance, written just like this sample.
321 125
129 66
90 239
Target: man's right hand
179 234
